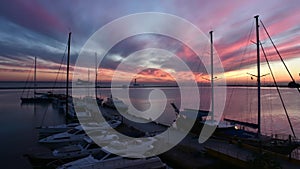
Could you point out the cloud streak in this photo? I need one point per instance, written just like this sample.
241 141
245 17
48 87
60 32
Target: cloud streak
39 28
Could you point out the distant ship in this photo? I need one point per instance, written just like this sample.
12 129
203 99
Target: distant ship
83 82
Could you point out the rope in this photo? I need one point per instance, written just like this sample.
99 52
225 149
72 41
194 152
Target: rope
271 108
285 110
241 61
263 114
245 49
26 83
61 62
27 93
279 54
251 103
27 79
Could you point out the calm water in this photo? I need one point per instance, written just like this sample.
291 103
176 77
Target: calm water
241 104
17 131
18 122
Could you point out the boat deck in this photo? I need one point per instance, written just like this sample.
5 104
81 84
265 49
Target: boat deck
241 156
145 125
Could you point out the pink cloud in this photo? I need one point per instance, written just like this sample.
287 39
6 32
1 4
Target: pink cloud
32 15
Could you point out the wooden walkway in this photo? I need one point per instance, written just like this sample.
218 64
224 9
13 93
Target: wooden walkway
223 150
241 156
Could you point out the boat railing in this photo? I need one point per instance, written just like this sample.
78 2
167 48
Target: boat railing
285 137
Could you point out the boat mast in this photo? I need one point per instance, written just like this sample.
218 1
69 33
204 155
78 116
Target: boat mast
68 69
212 76
34 90
35 85
96 74
258 77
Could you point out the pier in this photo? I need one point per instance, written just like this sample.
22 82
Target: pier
243 155
211 154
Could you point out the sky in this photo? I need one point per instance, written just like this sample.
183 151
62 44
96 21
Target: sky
40 29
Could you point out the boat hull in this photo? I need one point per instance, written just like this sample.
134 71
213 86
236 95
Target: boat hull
36 100
250 140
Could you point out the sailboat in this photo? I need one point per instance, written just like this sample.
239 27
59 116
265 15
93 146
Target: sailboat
63 101
256 139
67 98
98 99
184 116
220 125
43 97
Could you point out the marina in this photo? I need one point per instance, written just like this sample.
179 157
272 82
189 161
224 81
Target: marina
189 147
148 85
70 141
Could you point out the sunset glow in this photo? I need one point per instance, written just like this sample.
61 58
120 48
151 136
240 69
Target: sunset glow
39 29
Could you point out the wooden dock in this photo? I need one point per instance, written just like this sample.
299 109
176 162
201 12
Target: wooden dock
234 154
246 158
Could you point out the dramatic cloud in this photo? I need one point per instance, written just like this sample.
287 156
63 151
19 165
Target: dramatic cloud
40 28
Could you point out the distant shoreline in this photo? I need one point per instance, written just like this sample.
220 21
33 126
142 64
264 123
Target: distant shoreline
148 86
104 87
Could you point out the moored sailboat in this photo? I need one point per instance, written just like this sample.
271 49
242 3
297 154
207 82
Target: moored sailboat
42 97
106 160
220 125
204 117
257 139
67 153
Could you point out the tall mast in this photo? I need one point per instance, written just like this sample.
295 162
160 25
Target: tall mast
35 85
96 74
68 69
212 75
258 77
